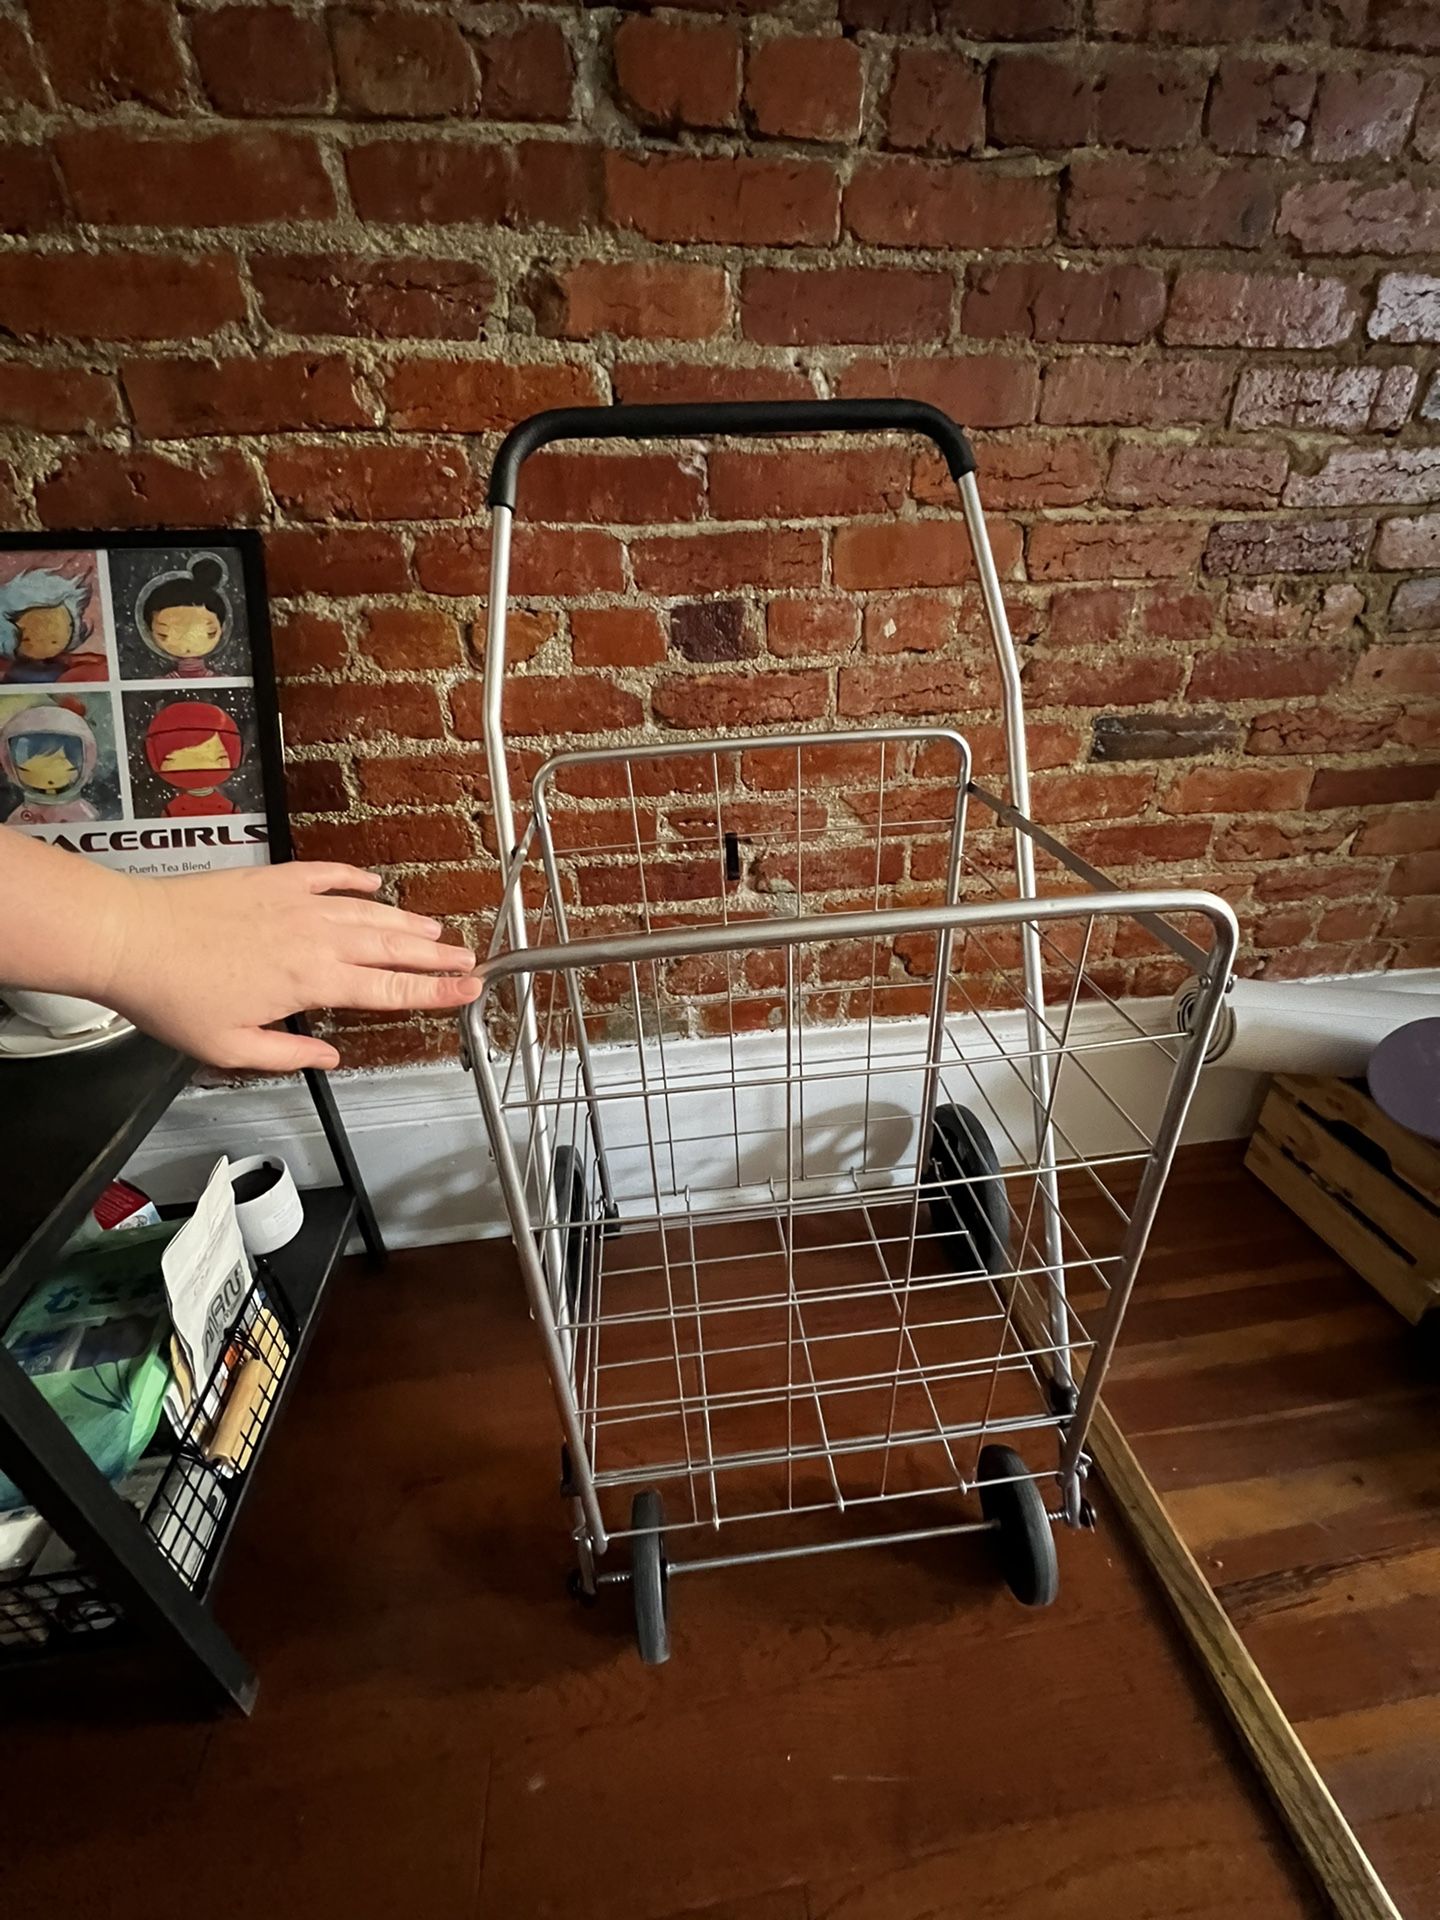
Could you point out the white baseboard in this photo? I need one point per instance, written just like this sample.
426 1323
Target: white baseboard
420 1139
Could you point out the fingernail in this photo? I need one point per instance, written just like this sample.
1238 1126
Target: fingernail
464 954
433 927
470 989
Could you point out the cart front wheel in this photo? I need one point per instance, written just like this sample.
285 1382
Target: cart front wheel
648 1578
1024 1539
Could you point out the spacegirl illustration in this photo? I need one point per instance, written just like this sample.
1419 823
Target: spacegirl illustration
49 753
185 619
44 627
195 748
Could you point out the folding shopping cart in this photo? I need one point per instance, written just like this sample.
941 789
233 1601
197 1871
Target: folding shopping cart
829 1136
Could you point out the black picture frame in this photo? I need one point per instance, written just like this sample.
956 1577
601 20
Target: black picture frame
249 544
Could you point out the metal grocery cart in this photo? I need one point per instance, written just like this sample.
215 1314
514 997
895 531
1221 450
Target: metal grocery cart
829 1141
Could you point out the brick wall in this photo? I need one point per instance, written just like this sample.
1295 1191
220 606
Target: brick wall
1177 261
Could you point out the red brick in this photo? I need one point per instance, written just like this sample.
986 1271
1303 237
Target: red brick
1267 610
1409 542
1401 669
673 75
916 553
31 197
1419 727
1267 673
1147 475
317 713
482 396
1321 729
551 183
1086 391
1138 843
1416 832
804 88
1359 476
925 203
1349 216
1044 301
634 299
978 390
711 631
730 199
1287 546
396 839
316 786
1427 124
262 60
1103 680
917 689
1212 308
1092 796
616 637
422 779
1341 399
1118 549
544 705
1167 203
108 488
101 53
1384 786
308 643
542 561
1040 100
21 82
635 489
1185 614
1318 882
1407 307
526 73
1089 616
806 486
936 101
1162 736
402 65
1145 101
410 639
1001 20
388 299
379 481
147 296
1021 470
1237 790
1281 927
713 562
801 628
173 398
1408 25
56 399
786 306
343 560
1259 107
718 701
647 380
1264 840
527 630
235 178
1419 873
402 1044
1364 114
909 623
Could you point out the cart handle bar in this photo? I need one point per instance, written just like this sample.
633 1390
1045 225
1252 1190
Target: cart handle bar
739 417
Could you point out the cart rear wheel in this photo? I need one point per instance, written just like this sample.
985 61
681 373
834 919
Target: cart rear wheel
967 1194
648 1578
1024 1539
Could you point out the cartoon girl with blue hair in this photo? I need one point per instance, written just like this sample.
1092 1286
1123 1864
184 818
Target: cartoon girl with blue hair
48 752
43 630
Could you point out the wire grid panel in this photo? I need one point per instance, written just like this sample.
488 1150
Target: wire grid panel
784 1322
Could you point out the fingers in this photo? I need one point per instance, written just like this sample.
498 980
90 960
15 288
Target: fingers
369 989
333 876
403 952
374 914
267 1051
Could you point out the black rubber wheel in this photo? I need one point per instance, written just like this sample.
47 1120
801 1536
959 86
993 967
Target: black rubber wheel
967 1193
1024 1539
649 1582
572 1212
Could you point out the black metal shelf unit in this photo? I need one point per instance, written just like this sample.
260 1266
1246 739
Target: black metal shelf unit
70 1125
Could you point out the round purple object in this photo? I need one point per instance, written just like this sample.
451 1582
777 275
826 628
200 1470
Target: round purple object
1404 1077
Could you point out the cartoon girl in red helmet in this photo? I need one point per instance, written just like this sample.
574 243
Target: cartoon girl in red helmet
194 747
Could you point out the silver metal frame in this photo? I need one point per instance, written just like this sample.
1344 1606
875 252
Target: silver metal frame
542 1087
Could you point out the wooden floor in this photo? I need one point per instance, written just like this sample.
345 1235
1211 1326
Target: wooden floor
874 1736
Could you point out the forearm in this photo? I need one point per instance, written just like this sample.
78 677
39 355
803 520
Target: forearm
62 917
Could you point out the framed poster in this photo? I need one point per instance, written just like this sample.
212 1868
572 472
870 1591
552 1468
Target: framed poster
138 721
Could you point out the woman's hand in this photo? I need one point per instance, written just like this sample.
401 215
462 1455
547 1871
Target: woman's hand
207 961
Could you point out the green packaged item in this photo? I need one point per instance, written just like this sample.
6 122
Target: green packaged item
95 1339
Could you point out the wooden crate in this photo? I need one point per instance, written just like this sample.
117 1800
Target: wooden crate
1368 1187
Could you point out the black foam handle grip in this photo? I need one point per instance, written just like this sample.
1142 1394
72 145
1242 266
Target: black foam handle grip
730 417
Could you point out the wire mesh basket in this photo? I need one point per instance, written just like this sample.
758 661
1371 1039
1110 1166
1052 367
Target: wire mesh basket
828 1146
